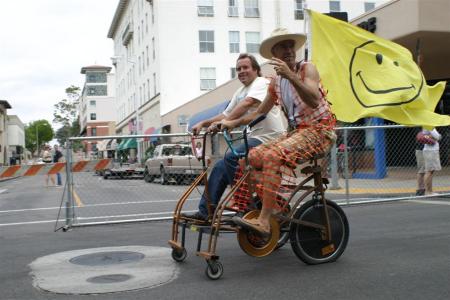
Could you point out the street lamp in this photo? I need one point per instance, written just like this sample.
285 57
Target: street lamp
115 60
37 139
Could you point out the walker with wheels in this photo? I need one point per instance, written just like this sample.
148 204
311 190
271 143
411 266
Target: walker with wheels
318 229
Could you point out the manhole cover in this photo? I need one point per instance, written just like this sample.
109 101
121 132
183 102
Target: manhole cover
107 258
111 278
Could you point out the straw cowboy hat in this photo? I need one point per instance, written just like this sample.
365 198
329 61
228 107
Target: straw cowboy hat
278 35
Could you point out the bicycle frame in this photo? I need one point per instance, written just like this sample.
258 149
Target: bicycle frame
203 177
305 242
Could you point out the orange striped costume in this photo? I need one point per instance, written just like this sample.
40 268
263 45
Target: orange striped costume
311 133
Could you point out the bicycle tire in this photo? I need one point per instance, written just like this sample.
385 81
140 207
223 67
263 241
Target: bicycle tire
307 242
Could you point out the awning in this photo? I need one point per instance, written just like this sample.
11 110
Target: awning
102 145
152 130
130 144
121 145
207 113
112 145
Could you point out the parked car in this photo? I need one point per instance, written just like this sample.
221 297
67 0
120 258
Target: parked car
123 171
172 163
37 161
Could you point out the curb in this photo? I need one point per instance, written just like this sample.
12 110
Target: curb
8 178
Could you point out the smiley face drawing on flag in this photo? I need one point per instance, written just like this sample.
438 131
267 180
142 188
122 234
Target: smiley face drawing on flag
365 75
383 79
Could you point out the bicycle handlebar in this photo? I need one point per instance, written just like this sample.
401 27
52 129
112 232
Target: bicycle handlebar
256 121
229 140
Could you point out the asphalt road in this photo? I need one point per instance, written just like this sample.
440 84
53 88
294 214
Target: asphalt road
399 250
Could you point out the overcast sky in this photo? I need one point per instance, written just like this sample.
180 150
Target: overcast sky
43 46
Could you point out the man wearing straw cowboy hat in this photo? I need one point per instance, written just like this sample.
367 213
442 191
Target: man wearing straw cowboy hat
297 89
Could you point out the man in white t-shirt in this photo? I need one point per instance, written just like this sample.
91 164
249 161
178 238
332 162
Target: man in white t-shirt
245 100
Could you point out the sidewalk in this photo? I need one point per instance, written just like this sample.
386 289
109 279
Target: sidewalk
397 182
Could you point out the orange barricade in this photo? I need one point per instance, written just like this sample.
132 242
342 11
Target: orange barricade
43 169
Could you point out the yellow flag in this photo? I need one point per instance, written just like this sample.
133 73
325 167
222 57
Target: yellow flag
367 76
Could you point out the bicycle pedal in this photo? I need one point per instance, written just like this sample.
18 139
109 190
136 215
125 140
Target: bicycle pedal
328 249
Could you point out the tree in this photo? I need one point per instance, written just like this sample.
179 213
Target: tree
37 133
73 130
65 113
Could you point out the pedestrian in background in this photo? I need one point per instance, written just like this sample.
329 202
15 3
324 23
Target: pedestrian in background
198 150
57 157
428 160
47 158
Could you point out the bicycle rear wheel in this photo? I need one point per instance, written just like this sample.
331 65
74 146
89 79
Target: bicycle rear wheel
310 244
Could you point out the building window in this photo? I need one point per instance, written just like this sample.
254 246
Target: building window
233 72
92 103
148 59
335 6
154 83
206 40
140 69
153 48
252 41
234 41
95 77
207 78
233 10
143 93
148 88
93 116
205 8
298 12
97 90
368 6
93 131
251 8
153 13
139 35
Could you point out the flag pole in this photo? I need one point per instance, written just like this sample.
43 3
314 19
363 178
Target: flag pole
307 32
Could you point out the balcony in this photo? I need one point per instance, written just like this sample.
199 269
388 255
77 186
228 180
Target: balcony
127 34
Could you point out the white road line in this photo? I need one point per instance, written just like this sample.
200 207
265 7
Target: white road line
92 205
430 202
3 190
132 215
27 223
92 218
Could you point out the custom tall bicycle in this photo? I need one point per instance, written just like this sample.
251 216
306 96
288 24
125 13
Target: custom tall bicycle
318 229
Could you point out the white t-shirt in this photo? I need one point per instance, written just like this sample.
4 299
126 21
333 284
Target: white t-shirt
274 124
436 136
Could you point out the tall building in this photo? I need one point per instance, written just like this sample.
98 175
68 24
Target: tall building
4 106
97 105
168 52
16 139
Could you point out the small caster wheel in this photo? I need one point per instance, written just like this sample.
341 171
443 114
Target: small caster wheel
179 255
214 269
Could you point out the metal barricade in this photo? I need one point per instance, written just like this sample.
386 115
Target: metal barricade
367 164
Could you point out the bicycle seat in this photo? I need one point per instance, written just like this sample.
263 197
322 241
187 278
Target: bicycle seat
303 161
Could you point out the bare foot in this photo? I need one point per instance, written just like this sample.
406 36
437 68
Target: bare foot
257 222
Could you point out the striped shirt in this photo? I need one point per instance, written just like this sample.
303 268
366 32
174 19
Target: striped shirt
297 111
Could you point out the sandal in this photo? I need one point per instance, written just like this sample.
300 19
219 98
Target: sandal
254 227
